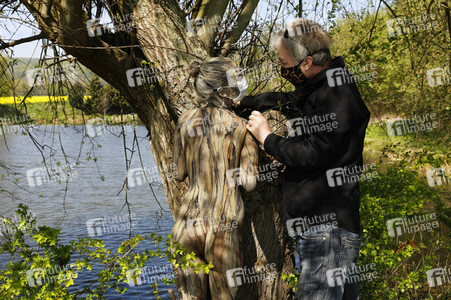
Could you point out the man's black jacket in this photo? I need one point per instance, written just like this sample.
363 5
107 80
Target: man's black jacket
314 149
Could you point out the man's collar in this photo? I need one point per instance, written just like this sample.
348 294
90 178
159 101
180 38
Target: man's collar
337 62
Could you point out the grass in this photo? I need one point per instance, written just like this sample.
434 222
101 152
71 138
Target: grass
419 152
416 150
51 110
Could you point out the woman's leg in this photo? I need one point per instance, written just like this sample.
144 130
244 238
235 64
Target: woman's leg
223 249
191 235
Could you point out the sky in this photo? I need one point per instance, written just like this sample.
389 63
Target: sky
13 30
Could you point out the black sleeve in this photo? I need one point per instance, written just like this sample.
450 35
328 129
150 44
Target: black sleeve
313 151
284 102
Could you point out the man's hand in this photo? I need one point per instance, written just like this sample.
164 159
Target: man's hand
258 126
236 104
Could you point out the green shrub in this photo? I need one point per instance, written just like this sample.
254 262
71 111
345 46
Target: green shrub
34 249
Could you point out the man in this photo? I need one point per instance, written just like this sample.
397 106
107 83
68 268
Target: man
326 142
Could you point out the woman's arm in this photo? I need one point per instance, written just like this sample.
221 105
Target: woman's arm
178 158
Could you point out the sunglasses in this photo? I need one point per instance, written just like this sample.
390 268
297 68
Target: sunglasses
287 36
309 53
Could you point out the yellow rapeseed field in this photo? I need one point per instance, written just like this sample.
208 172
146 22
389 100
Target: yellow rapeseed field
34 99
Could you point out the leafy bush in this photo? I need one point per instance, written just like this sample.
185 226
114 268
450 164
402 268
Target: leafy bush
76 95
22 277
101 100
401 263
93 103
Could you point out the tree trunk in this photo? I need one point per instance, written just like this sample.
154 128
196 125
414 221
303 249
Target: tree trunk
161 32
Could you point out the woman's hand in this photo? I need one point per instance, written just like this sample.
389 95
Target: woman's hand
258 126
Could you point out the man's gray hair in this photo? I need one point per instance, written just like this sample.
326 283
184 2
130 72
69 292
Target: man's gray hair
303 38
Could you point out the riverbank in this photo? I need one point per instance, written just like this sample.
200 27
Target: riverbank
45 110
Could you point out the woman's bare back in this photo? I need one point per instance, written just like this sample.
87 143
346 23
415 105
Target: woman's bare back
214 150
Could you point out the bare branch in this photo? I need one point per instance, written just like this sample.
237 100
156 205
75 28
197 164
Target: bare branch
300 9
200 10
242 22
448 16
213 14
194 9
22 41
124 47
389 8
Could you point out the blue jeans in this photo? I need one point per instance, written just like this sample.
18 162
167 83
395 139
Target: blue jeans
320 252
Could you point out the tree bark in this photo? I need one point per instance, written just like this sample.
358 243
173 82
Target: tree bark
163 41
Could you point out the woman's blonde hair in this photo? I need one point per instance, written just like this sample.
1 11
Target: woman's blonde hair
209 76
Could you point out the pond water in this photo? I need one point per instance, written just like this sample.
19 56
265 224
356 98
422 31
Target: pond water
95 191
